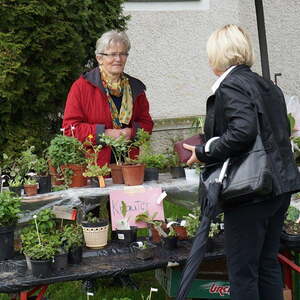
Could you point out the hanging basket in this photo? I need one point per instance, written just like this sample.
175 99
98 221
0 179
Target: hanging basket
95 237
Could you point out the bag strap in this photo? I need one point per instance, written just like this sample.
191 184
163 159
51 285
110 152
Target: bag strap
227 161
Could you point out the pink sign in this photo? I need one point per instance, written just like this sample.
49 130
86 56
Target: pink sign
138 199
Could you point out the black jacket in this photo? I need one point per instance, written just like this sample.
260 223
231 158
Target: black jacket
231 116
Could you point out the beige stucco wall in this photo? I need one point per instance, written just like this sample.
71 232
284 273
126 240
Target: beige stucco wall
168 52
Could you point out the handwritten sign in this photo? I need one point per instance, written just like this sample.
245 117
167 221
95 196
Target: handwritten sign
138 200
64 212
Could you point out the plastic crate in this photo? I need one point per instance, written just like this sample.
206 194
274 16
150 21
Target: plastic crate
210 283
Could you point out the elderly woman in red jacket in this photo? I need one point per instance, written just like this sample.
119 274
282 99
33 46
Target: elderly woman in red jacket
107 100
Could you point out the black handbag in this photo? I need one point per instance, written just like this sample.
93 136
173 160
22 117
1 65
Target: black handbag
246 175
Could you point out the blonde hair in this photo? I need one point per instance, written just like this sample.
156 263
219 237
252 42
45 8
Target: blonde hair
229 46
110 37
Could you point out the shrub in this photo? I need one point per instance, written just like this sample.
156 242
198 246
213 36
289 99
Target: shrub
44 46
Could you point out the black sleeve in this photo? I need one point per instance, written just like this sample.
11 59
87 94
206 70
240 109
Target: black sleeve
241 119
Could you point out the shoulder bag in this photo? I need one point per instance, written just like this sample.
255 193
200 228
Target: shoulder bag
248 174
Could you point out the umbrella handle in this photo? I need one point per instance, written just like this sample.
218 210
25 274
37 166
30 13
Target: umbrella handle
223 171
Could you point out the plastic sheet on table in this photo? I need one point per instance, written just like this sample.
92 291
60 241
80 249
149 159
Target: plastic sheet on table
108 262
85 199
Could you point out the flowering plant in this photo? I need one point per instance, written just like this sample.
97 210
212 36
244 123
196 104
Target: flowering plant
92 169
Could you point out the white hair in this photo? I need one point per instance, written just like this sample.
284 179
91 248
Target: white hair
111 37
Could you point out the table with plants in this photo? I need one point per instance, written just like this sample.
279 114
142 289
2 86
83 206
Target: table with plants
39 247
51 249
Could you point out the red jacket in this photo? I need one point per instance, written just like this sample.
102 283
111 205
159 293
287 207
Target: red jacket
87 109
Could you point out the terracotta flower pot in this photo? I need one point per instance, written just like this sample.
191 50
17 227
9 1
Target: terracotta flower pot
133 174
181 232
155 236
56 179
116 174
77 179
30 189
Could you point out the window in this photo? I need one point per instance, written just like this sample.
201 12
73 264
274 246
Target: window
165 5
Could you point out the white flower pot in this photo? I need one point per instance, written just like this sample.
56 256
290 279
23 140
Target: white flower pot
191 176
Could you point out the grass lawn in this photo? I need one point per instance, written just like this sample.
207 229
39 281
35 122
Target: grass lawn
108 289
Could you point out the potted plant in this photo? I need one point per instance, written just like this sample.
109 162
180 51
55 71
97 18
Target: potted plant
119 148
143 250
60 260
216 237
133 170
95 228
38 245
26 162
295 140
192 173
174 163
126 234
67 155
30 186
41 224
16 184
192 222
170 241
290 235
156 227
41 249
42 175
98 172
154 162
9 213
180 228
176 167
93 169
72 239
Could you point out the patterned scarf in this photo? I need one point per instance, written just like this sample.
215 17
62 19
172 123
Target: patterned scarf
119 88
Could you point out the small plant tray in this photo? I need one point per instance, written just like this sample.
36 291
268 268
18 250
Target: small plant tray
144 253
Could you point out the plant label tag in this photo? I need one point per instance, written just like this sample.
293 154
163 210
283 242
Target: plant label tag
183 223
162 196
171 223
65 212
121 236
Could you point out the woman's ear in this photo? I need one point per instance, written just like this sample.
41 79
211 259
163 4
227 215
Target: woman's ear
99 59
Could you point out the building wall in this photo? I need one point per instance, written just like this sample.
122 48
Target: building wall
168 51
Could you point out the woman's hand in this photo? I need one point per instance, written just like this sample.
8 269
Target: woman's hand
126 132
193 158
115 133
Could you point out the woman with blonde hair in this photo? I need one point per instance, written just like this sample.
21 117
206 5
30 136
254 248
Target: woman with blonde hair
244 104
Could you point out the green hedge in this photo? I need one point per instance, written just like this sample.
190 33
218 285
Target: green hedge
44 46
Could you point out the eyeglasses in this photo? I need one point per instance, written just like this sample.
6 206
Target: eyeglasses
115 55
